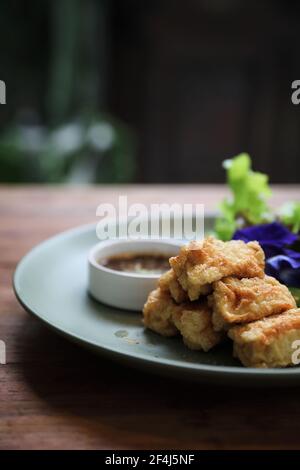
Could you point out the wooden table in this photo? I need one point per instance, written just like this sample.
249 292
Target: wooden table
54 395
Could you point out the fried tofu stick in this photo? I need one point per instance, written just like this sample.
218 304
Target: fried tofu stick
168 283
268 342
244 300
192 320
158 311
199 264
195 324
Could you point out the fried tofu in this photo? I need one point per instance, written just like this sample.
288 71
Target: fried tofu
158 312
168 282
192 320
195 324
200 263
249 299
268 342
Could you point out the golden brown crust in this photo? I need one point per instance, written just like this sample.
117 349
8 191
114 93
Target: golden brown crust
192 320
249 299
267 342
200 263
168 282
262 310
158 312
195 325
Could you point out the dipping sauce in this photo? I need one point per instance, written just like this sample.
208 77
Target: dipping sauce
137 263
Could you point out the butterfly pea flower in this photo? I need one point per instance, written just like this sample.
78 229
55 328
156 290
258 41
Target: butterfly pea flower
285 267
272 237
282 262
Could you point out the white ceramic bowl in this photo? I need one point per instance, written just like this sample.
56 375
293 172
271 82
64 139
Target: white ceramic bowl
122 289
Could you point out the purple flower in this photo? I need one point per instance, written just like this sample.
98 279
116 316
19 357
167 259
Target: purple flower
285 267
271 237
281 262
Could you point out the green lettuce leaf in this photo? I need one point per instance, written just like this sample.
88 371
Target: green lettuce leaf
248 205
289 214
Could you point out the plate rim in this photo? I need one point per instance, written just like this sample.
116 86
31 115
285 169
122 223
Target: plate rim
193 368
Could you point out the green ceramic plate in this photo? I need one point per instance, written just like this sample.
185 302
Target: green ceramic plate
51 283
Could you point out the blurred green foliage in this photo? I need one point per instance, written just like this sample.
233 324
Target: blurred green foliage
289 213
94 151
74 140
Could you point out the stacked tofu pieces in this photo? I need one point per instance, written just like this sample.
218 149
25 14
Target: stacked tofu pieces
216 289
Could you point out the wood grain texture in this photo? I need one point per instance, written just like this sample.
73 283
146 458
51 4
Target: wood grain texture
54 395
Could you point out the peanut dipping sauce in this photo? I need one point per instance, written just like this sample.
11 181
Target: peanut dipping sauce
137 263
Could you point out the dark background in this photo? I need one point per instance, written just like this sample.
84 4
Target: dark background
189 83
